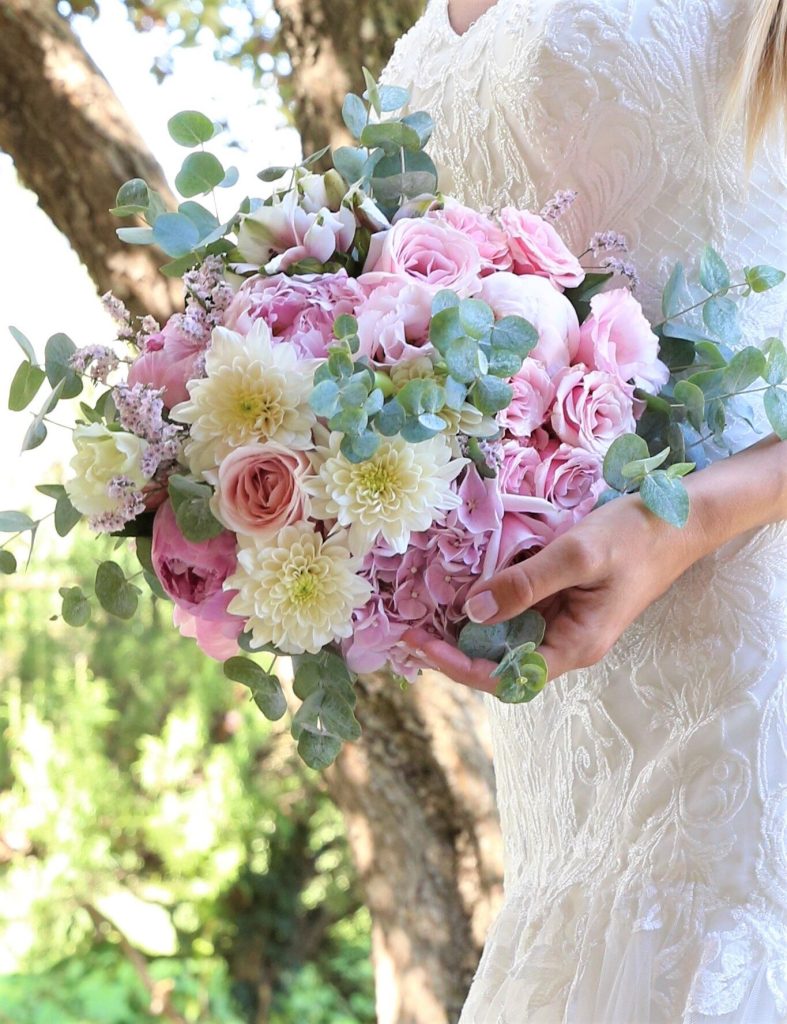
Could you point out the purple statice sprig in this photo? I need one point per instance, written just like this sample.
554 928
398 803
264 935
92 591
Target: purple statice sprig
95 361
131 503
557 206
140 410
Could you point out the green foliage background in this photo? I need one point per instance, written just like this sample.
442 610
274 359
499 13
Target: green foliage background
157 834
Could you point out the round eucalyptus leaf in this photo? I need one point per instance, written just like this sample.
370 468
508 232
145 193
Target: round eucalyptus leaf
265 687
318 750
625 449
763 278
25 385
115 594
176 234
57 356
714 272
190 128
76 607
200 173
358 448
775 403
16 522
666 497
7 562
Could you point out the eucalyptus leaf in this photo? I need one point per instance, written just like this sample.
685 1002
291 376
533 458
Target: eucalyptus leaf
490 395
176 234
693 399
24 343
666 497
231 177
676 294
273 173
480 641
714 272
476 318
200 173
190 128
57 355
132 198
135 236
66 516
641 467
422 123
8 564
392 98
324 399
775 403
354 114
523 681
462 359
360 447
25 386
721 318
529 627
349 162
763 278
776 369
445 299
75 608
16 522
318 750
445 328
743 369
625 449
265 687
391 418
114 592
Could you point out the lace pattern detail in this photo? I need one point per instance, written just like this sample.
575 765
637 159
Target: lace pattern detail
644 800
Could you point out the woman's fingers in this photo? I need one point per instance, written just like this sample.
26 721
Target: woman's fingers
449 660
566 562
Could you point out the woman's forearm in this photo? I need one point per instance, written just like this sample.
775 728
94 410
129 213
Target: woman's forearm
738 494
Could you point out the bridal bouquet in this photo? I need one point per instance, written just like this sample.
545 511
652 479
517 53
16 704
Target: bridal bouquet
374 396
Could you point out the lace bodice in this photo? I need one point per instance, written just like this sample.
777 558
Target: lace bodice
643 801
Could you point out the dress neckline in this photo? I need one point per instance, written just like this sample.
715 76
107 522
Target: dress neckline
446 9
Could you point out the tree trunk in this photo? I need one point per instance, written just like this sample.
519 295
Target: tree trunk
328 42
417 789
73 144
417 794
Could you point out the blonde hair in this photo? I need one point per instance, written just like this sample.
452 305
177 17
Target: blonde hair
759 88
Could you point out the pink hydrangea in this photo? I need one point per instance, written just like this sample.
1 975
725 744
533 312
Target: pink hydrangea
536 248
300 309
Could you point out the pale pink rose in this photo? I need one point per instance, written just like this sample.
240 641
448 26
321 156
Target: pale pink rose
536 248
428 251
286 232
300 309
169 360
193 576
546 309
393 320
258 489
534 393
617 338
592 408
572 480
489 238
521 536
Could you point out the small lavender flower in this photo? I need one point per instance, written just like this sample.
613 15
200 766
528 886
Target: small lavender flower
97 361
607 241
492 452
623 267
117 310
560 202
132 504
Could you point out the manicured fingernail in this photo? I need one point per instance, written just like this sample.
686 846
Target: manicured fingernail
482 607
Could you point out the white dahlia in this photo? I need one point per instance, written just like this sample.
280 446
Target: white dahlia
298 592
252 391
401 490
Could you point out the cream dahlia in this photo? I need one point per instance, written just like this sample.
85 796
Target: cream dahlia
299 591
401 490
252 391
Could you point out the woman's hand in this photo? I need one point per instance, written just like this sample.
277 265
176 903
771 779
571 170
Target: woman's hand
597 578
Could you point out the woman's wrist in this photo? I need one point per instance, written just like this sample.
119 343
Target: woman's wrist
737 494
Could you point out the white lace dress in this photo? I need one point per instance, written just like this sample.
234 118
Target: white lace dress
643 801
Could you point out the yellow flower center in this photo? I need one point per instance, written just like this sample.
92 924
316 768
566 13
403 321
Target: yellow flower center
259 409
376 481
303 588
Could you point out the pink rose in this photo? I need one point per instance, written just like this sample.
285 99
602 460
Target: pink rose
572 480
393 320
536 248
170 359
258 489
547 310
592 408
489 239
193 575
521 536
617 338
290 230
429 251
534 393
299 309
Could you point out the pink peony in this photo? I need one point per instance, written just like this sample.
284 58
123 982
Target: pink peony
489 239
534 393
592 408
536 248
288 231
193 575
393 320
547 310
571 479
169 360
429 251
258 489
617 338
299 309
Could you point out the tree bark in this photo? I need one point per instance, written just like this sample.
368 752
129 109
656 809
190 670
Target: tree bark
73 144
417 793
328 42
